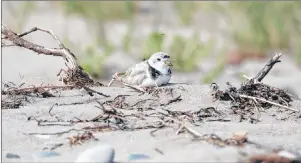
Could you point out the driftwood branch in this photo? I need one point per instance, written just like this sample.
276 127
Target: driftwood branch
74 75
266 69
254 94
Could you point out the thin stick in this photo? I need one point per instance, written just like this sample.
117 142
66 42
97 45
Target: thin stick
193 132
54 133
91 90
134 87
111 82
13 37
266 69
264 100
34 88
115 78
247 77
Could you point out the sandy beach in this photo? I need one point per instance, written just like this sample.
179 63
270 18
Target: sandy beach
23 127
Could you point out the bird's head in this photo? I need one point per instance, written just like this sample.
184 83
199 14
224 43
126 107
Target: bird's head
160 61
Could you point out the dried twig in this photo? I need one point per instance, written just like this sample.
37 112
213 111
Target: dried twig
35 89
178 98
89 90
266 69
254 94
264 100
81 138
54 133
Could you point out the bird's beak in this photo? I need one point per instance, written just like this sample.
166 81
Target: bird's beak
168 63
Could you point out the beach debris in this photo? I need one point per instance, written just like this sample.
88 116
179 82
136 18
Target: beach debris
137 156
287 154
45 154
272 157
17 96
238 139
53 146
74 75
240 136
254 96
159 151
12 156
103 153
81 138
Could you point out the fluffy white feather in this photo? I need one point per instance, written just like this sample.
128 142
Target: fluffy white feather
143 75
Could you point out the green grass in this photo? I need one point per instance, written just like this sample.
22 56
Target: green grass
127 40
100 11
154 43
187 53
254 26
186 10
97 14
216 71
93 61
20 12
262 26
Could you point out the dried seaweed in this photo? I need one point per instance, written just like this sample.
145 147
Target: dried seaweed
81 138
253 96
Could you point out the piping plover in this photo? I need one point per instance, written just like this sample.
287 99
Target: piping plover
154 72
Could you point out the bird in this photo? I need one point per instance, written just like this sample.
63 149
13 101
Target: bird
153 72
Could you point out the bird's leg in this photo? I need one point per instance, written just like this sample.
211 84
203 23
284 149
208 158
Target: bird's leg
156 88
156 85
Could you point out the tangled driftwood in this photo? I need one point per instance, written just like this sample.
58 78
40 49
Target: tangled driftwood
74 75
253 94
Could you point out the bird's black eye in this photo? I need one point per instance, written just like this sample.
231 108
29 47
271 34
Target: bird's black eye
158 59
166 56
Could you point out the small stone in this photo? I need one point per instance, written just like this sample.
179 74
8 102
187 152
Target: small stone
44 154
240 136
100 153
287 154
11 155
138 157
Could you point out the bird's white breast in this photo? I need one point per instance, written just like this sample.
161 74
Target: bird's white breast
161 80
164 79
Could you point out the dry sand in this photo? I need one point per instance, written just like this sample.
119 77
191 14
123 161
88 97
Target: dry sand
271 132
276 129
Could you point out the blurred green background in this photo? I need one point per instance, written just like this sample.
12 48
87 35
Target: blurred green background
251 29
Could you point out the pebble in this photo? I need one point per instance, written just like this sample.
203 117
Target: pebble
137 157
11 155
100 153
44 154
287 154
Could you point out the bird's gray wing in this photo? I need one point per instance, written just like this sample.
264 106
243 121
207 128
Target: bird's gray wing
136 74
